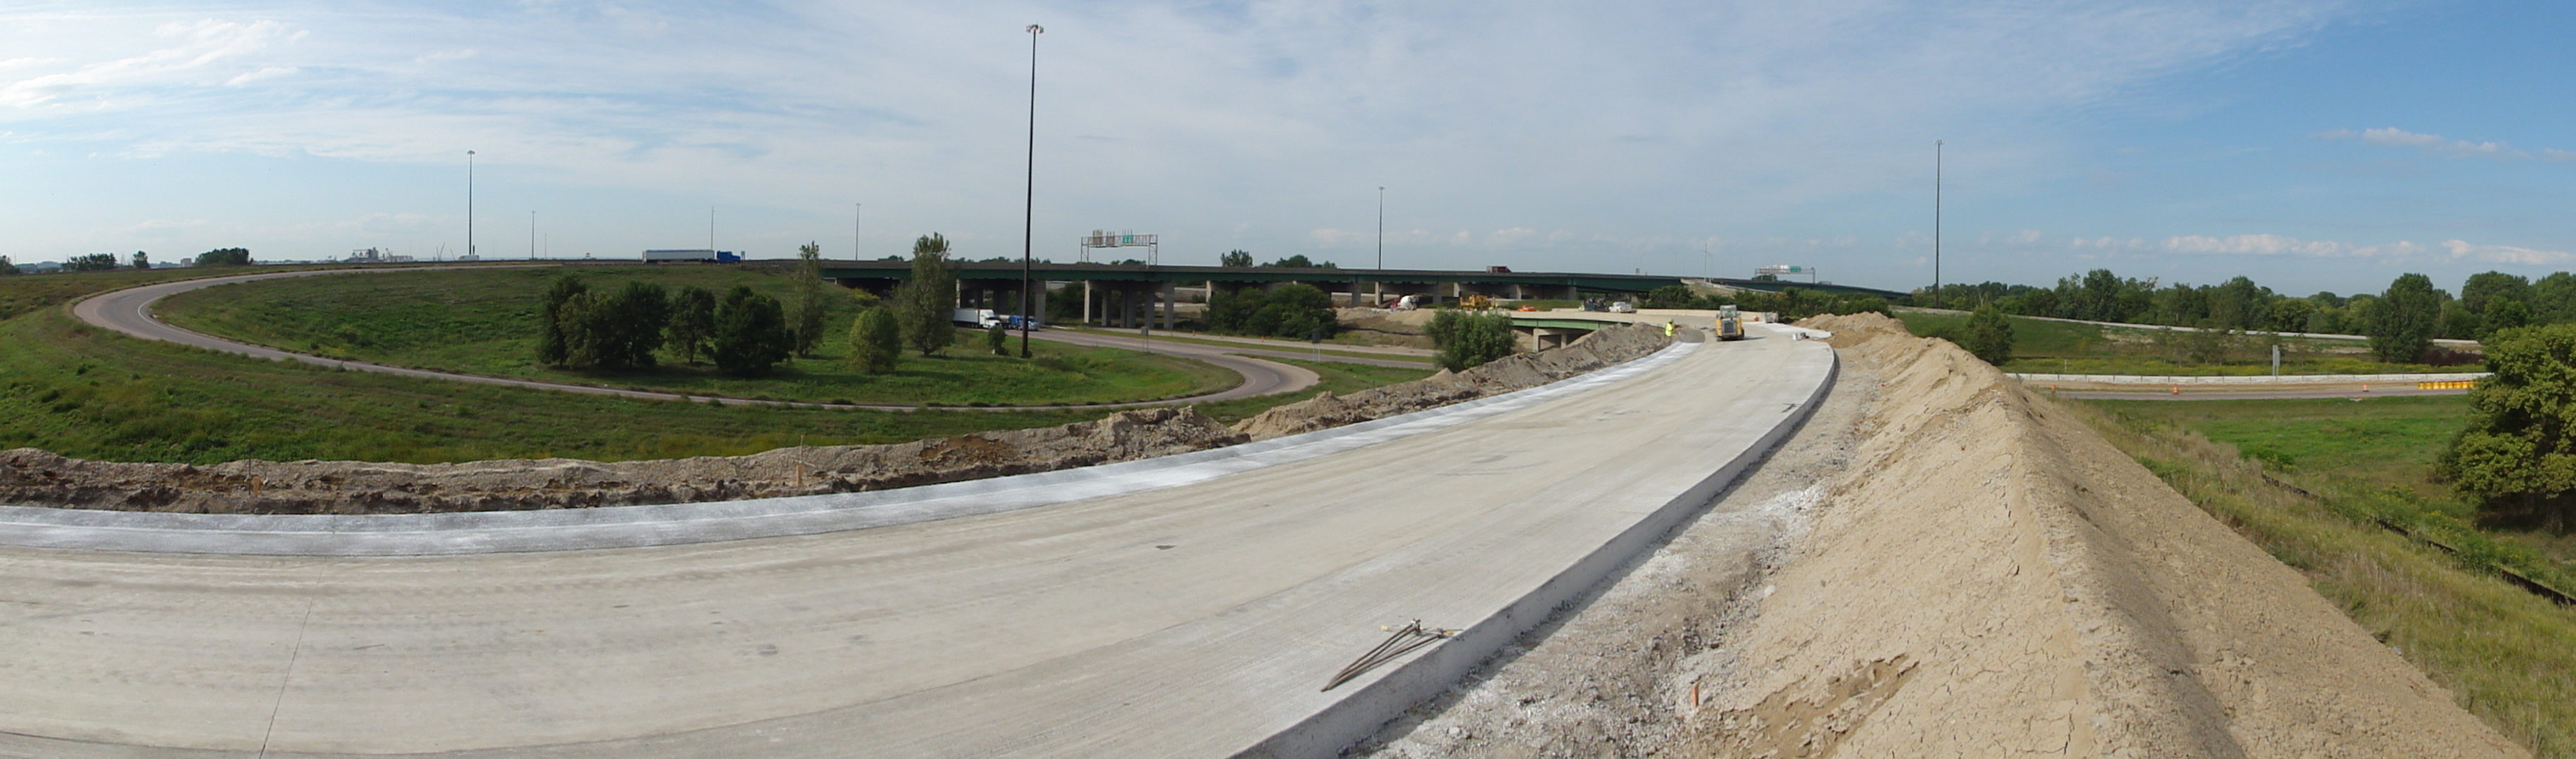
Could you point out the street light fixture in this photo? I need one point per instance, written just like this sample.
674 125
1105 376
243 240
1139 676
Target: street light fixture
1028 224
469 204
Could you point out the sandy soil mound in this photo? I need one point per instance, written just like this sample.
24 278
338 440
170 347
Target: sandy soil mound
1993 579
33 477
1377 326
1519 371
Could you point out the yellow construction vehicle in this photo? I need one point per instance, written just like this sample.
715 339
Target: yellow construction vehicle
1730 325
1476 302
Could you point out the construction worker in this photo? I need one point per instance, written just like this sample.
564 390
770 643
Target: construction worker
1668 328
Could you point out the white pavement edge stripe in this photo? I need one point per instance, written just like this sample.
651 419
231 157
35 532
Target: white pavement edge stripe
456 533
1360 714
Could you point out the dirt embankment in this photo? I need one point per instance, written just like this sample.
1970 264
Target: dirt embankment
1990 578
1378 326
31 477
1524 370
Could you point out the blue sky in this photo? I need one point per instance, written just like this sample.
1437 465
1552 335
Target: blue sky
2310 144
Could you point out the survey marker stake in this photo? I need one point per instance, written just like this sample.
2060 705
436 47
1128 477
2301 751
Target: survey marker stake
1404 641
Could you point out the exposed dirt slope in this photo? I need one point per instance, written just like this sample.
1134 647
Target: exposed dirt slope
1518 371
33 477
1993 579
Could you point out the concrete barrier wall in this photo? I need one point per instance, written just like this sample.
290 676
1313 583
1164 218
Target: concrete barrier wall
1357 716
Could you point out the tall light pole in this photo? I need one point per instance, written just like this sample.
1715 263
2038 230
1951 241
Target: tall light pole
532 235
1028 223
1936 220
855 208
1381 245
469 203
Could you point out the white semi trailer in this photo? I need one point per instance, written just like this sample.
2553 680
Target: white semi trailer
980 318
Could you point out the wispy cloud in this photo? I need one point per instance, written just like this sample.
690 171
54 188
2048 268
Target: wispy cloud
2394 137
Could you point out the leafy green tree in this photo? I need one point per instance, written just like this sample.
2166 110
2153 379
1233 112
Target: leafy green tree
6 268
142 260
554 347
876 343
91 262
1299 261
2503 314
2483 287
613 331
751 333
997 339
2517 456
2553 299
224 257
1235 258
2403 321
1469 340
693 323
924 303
1989 336
808 304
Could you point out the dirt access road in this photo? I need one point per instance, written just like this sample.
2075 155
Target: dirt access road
130 311
1197 617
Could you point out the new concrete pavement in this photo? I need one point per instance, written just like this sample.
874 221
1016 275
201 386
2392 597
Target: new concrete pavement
130 311
1200 619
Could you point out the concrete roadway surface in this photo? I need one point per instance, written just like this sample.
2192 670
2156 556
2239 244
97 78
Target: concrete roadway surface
1199 620
130 311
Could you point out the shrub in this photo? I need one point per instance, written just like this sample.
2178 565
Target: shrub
925 302
693 322
1989 336
751 333
876 344
1467 340
996 339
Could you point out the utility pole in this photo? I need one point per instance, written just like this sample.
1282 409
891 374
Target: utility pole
711 231
1936 219
1029 208
532 235
855 208
469 202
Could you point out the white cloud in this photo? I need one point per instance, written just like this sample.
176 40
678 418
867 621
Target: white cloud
2506 254
2399 138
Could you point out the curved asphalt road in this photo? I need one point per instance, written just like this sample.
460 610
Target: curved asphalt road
130 311
1191 619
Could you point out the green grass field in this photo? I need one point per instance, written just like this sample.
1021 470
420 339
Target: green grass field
2042 346
485 322
2507 654
90 393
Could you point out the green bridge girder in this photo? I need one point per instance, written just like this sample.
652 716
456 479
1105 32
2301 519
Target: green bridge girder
1327 278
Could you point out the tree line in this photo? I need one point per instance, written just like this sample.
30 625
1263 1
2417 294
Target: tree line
744 332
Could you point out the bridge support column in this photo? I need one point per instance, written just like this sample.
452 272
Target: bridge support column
1171 295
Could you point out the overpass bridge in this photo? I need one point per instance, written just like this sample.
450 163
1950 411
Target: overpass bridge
1118 292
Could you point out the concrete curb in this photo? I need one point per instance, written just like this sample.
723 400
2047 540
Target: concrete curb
456 533
1357 716
2260 379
